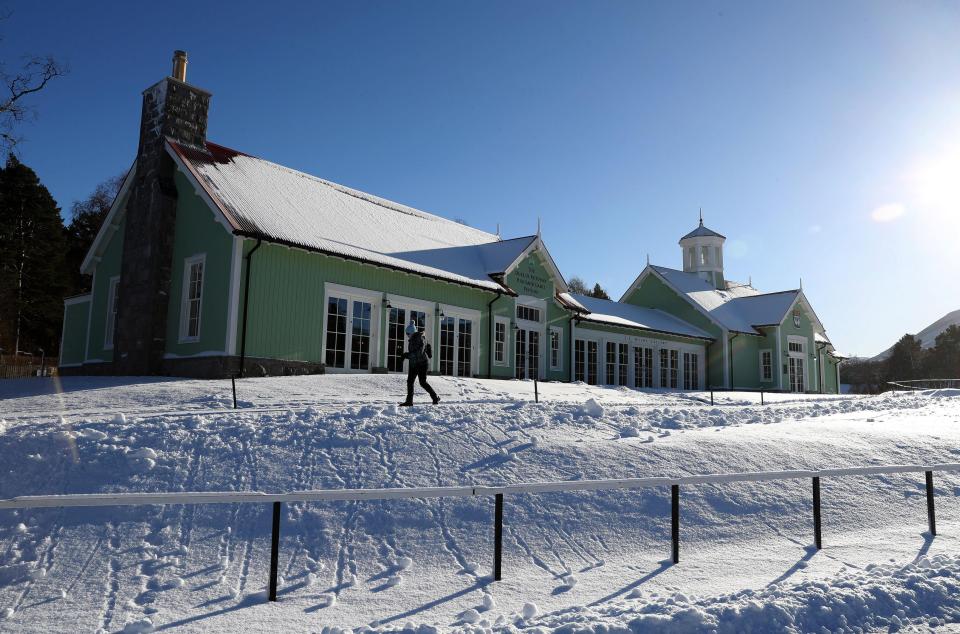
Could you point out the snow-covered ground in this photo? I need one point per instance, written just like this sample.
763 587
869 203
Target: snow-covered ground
586 561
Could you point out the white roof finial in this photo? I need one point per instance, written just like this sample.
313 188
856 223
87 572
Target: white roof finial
538 226
701 216
648 259
498 231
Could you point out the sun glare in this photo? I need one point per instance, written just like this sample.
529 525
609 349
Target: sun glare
934 182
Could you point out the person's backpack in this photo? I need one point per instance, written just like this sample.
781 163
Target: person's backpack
418 354
427 350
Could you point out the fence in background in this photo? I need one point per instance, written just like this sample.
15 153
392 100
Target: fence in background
497 492
925 384
20 366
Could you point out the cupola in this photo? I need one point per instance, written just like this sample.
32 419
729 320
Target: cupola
702 251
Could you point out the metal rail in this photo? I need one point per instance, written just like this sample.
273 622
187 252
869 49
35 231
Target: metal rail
498 493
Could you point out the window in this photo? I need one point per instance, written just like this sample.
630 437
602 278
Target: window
674 369
766 365
611 363
112 298
795 346
192 292
336 332
360 336
350 338
592 354
528 313
623 361
664 368
556 351
456 346
397 320
704 255
691 374
500 341
643 367
579 360
691 257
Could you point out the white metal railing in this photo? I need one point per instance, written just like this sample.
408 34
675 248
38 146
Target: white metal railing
498 492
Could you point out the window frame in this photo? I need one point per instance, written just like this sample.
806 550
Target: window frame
763 375
555 330
110 325
376 301
188 264
504 360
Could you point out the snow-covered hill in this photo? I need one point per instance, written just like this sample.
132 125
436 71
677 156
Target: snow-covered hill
576 561
928 336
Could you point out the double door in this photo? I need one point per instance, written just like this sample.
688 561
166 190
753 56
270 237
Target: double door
527 354
795 367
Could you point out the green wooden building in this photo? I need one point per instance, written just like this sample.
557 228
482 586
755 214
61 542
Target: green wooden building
212 261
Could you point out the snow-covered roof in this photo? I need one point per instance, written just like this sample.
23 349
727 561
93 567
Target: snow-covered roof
262 199
619 314
738 308
702 232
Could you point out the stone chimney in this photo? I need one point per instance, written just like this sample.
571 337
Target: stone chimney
175 110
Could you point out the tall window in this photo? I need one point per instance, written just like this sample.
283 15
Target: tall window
674 369
579 360
691 377
456 341
447 343
623 362
192 291
555 349
766 365
397 320
464 342
592 355
360 336
336 332
112 298
664 368
643 367
611 363
500 342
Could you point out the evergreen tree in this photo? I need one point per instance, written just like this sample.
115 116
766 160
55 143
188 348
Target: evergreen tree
943 362
906 361
32 272
598 292
86 217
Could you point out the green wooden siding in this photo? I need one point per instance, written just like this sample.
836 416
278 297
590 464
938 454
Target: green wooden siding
107 268
286 307
654 293
75 315
197 232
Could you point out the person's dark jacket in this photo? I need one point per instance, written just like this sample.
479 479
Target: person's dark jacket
417 352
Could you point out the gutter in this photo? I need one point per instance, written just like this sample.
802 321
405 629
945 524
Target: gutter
246 302
735 335
492 335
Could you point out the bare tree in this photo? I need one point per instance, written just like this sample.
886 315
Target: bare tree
32 76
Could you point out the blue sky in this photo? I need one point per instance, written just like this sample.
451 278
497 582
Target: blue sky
823 139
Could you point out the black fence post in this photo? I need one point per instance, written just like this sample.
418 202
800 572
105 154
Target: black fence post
233 382
931 517
817 540
675 521
274 550
711 398
536 392
761 397
498 537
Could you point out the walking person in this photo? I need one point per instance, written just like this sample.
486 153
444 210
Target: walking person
418 359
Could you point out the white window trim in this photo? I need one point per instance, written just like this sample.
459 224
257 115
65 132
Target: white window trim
110 324
505 362
559 331
772 364
184 297
352 293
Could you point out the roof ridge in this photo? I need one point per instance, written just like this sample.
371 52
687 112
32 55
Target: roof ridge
356 193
